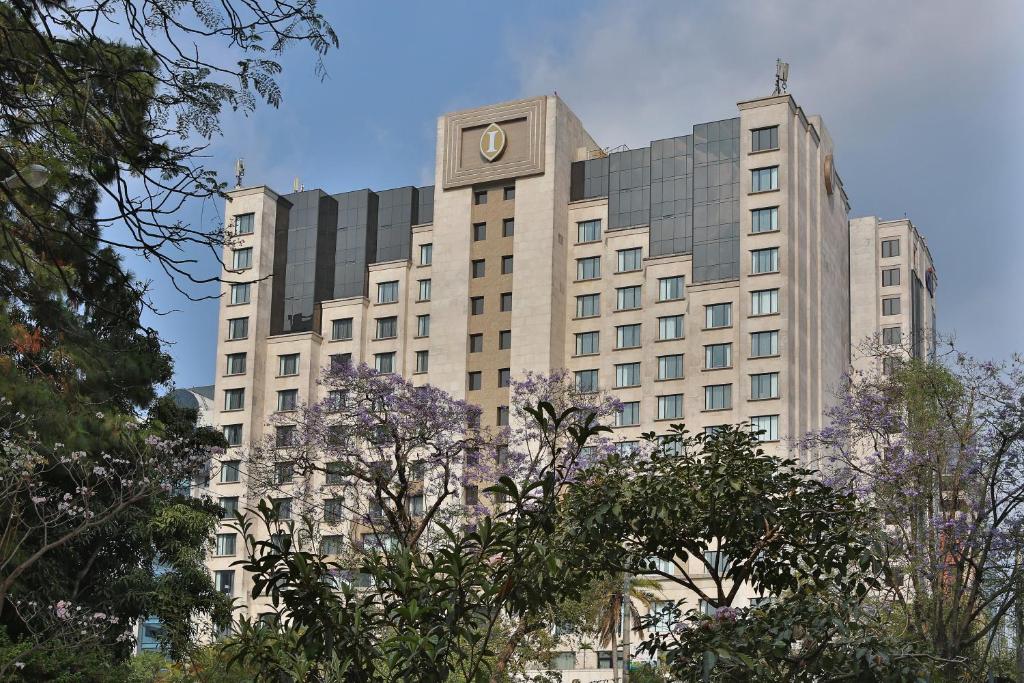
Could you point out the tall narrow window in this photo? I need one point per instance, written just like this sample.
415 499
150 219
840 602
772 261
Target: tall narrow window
479 232
288 364
765 427
479 197
245 224
476 343
506 302
508 227
233 435
586 380
238 328
891 336
890 248
387 328
509 192
506 265
426 254
764 344
384 362
341 329
424 290
504 377
670 288
588 231
242 258
474 380
387 292
236 364
230 471
628 415
240 293
422 361
764 179
764 261
504 339
764 220
234 399
476 305
287 399
478 268
423 325
502 416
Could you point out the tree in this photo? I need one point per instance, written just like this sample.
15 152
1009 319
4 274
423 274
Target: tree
434 603
610 622
118 101
748 519
937 447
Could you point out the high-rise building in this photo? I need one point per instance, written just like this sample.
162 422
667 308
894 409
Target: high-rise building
703 278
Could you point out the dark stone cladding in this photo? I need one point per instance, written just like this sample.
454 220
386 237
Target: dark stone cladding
324 243
685 188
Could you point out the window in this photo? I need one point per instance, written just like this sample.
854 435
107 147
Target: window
588 268
334 510
224 580
717 561
476 343
479 232
764 179
509 193
891 306
230 471
225 545
426 254
563 661
416 504
245 224
284 436
764 138
387 328
283 472
629 259
335 473
506 265
423 325
764 302
627 298
236 364
662 614
417 470
471 494
478 268
764 220
287 399
505 339
424 290
476 305
504 377
890 248
587 343
670 367
238 328
627 375
890 277
282 507
670 407
588 305
627 336
422 361
228 507
506 302
891 336
341 329
332 545
241 258
588 231
717 315
604 659
339 361
889 365
670 288
766 427
479 197
670 327
764 261
764 385
629 415
508 227
233 435
764 344
586 380
234 399
384 362
288 364
387 292
240 293
474 380
717 356
718 397
502 416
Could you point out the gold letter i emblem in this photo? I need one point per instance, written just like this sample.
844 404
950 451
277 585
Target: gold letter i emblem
492 142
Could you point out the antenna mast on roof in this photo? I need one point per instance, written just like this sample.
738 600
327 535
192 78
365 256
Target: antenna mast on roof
239 172
781 76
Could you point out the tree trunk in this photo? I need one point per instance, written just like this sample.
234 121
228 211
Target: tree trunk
627 618
615 647
501 665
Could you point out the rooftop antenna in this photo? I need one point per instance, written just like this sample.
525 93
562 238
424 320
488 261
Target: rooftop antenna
239 172
296 185
781 76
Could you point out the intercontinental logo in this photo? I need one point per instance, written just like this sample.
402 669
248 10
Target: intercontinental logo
492 142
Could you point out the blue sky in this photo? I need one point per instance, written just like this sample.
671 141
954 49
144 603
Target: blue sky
924 102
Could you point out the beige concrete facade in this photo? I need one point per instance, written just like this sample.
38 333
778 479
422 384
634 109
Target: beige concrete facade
529 184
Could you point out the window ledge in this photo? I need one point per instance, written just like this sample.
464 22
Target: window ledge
669 379
764 151
586 317
240 303
763 315
767 272
585 355
622 348
294 374
628 310
236 338
712 329
233 374
385 303
716 410
757 192
765 232
588 279
377 339
627 272
668 419
724 367
772 355
670 301
658 341
767 398
597 241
